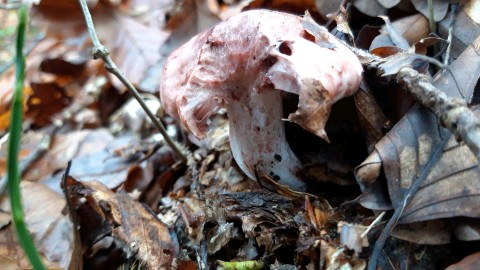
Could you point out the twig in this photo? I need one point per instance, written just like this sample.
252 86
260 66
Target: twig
374 223
101 52
13 174
453 113
454 8
377 249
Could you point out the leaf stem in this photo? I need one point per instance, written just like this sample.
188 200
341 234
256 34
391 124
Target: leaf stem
15 134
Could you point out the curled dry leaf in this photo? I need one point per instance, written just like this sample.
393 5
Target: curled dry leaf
103 213
448 190
241 64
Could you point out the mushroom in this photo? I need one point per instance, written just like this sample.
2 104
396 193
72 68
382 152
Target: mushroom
241 64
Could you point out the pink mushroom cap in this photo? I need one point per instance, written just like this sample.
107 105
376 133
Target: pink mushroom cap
241 64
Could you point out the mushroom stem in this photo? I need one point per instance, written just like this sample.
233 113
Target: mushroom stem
257 137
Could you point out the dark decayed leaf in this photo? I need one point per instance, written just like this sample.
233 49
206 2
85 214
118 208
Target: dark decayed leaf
135 229
470 262
46 100
449 189
261 211
412 29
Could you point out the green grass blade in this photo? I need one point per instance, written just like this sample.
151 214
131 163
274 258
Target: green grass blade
13 173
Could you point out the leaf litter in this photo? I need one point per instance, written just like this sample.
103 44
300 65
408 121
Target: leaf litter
136 205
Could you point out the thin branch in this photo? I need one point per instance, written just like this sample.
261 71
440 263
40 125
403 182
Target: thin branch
454 8
101 52
374 223
453 113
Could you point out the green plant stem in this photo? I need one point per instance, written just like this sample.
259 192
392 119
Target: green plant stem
13 175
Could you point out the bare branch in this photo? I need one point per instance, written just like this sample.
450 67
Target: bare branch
101 52
453 113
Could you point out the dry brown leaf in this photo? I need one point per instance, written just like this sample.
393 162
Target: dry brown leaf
370 8
470 262
65 147
432 232
396 37
115 162
440 8
448 190
46 100
135 229
388 3
136 51
296 7
52 231
371 118
327 6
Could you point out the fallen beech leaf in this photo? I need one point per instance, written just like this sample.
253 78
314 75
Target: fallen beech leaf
52 231
136 52
466 229
396 37
410 29
136 230
63 148
440 8
470 262
389 3
430 232
370 8
448 190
